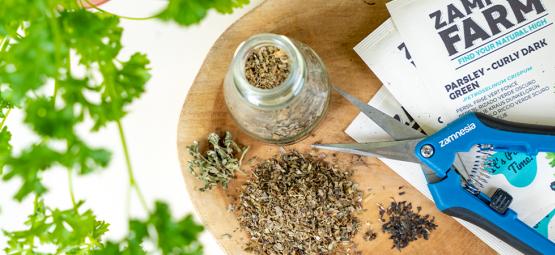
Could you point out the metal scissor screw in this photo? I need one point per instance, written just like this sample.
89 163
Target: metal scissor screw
427 151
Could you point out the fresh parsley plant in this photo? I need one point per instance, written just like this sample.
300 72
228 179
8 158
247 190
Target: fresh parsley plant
41 41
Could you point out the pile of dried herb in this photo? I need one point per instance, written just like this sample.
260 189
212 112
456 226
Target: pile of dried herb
299 204
405 225
267 67
217 165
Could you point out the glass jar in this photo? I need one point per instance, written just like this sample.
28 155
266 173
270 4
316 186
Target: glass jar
288 112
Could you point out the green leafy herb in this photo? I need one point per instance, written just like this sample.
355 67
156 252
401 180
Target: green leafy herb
219 163
189 12
171 236
70 231
41 42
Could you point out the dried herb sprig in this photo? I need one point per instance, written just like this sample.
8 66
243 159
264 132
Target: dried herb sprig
218 164
299 204
405 225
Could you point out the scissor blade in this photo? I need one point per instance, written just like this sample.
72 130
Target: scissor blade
393 127
398 150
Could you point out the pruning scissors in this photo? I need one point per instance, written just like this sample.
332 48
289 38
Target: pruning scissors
451 192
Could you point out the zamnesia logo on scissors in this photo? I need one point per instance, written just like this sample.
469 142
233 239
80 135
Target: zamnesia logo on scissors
453 137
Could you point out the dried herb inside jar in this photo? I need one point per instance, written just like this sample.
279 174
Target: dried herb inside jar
218 164
299 204
404 224
267 67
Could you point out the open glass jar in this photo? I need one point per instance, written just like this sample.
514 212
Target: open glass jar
285 113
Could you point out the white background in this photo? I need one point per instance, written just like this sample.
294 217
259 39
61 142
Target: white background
176 54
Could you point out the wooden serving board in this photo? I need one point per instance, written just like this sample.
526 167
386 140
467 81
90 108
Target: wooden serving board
332 28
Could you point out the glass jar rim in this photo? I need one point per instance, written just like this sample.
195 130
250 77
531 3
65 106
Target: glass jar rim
281 94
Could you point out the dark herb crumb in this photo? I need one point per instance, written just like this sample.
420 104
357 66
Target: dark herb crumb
370 235
404 225
401 193
357 160
369 3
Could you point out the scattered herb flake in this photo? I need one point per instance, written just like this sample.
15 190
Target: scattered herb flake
370 235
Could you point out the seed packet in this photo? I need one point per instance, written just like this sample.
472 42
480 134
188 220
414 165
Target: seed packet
492 56
389 58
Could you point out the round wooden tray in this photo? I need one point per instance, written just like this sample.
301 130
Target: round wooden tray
332 28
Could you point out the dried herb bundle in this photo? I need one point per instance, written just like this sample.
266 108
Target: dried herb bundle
219 163
267 67
404 225
299 204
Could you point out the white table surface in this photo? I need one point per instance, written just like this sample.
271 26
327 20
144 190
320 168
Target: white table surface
176 54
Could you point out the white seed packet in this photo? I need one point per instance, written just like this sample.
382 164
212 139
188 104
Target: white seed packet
362 129
495 57
492 56
382 51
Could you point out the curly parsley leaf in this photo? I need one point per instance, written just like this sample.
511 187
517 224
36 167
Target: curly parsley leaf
28 166
85 159
122 85
172 237
27 64
189 12
47 120
70 231
175 237
96 37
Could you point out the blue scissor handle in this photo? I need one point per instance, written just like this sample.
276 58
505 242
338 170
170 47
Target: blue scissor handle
453 199
477 128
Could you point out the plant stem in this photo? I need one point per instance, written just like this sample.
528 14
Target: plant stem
4 43
70 184
5 118
132 180
94 6
57 37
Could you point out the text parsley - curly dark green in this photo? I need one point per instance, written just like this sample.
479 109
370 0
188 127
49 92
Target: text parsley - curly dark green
218 164
61 68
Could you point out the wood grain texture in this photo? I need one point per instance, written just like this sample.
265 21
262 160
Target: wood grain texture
332 28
